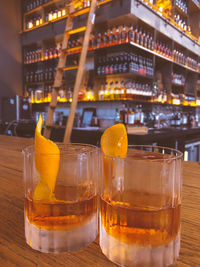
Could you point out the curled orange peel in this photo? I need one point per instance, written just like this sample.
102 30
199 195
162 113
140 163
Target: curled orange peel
114 143
47 159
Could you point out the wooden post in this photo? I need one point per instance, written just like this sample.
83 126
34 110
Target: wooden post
80 71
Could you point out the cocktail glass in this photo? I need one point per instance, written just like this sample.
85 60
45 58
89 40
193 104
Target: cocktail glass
68 219
140 205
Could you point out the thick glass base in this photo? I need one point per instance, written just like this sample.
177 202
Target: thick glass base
131 255
58 241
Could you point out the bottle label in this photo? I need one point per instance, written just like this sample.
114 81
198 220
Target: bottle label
131 36
123 37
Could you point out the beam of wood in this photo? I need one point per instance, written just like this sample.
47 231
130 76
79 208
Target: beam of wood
58 79
79 75
47 131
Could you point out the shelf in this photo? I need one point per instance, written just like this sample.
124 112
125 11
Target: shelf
126 74
70 68
179 85
167 20
60 104
163 57
41 61
74 14
76 30
74 50
38 83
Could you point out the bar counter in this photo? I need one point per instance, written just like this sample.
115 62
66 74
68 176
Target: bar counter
15 252
175 137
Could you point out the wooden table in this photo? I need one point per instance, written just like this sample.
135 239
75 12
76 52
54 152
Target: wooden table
15 252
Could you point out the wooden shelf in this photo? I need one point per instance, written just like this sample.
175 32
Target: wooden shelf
75 13
126 74
45 24
179 85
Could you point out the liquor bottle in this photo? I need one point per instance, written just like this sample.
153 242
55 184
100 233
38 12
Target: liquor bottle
116 36
136 63
129 90
122 91
59 14
50 56
55 14
151 43
99 65
130 117
37 22
27 77
121 62
50 74
106 92
103 66
123 114
141 41
131 34
64 13
50 16
111 65
101 93
145 39
117 116
111 91
116 64
107 65
92 44
125 66
137 36
110 37
116 91
124 35
105 39
99 40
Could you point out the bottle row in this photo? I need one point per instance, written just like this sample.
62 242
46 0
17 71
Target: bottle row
182 5
37 55
115 36
124 62
31 4
52 15
43 94
181 58
182 22
125 90
40 75
122 34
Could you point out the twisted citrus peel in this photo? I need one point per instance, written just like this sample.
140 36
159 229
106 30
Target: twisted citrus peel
47 159
114 143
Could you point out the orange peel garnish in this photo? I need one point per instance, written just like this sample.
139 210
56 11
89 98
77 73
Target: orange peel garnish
114 141
47 159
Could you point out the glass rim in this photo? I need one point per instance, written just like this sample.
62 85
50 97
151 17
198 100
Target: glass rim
179 154
31 149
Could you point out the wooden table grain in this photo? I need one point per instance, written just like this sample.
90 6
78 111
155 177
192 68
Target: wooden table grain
15 252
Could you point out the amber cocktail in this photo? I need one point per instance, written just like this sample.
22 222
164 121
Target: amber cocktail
64 219
140 205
